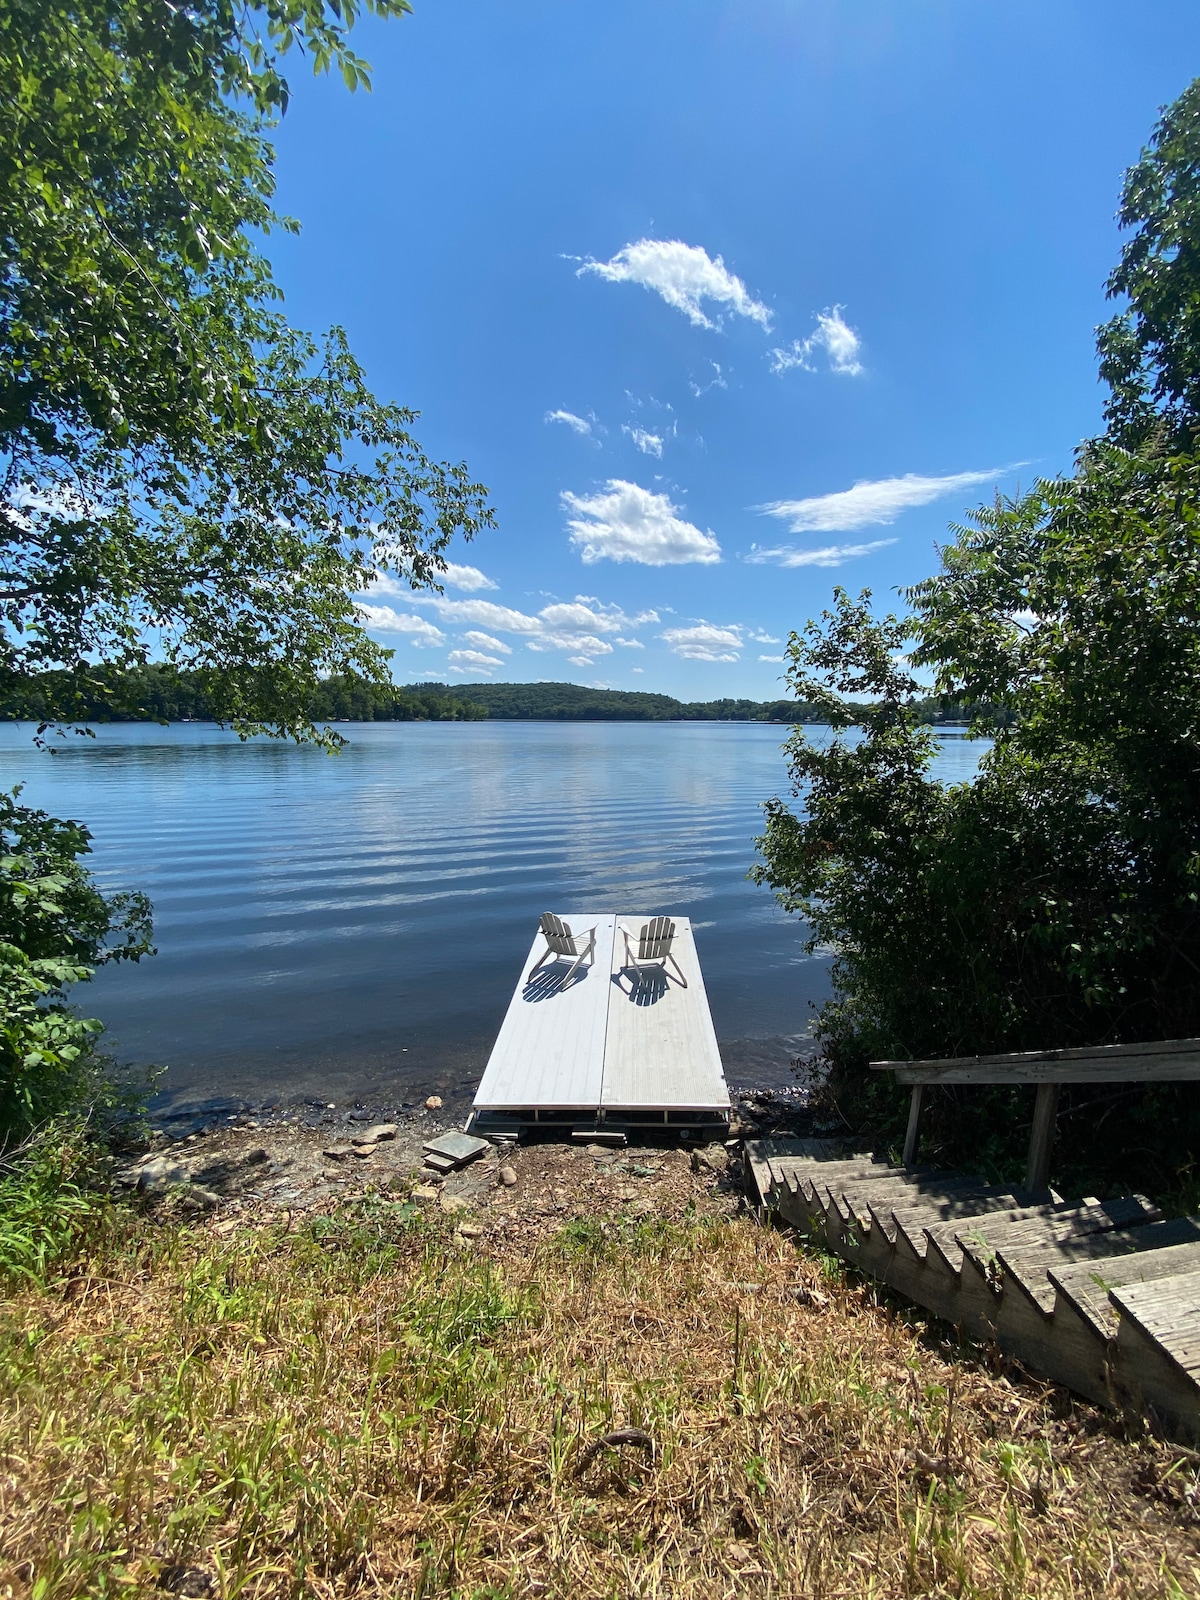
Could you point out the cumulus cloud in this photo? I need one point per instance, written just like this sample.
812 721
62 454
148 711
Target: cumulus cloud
629 523
760 637
631 644
578 625
871 502
581 661
685 276
834 336
385 620
469 579
650 444
704 642
768 658
830 555
484 641
472 661
571 641
576 424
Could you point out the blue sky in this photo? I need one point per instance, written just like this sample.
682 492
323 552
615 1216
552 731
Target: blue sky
725 302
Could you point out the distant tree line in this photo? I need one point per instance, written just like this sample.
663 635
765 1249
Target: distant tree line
160 693
569 702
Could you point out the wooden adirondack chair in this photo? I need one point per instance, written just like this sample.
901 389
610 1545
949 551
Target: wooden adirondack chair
653 948
561 945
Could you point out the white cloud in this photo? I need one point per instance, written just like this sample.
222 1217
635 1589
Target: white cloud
760 637
631 644
472 661
469 579
581 661
637 669
684 275
871 502
834 336
576 424
714 383
484 641
830 555
570 641
384 620
704 642
650 444
629 523
568 625
768 658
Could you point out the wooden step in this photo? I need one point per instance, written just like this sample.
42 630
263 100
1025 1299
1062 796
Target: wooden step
1158 1349
1159 1250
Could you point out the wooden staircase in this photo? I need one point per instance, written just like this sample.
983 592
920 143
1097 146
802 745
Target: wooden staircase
1102 1297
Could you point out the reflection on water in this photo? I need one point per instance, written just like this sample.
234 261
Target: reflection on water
342 925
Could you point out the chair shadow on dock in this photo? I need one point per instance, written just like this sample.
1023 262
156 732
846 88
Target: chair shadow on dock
550 981
646 987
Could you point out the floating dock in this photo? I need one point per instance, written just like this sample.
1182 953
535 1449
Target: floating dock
610 1048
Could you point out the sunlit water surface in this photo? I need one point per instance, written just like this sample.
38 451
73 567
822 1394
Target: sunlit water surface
351 926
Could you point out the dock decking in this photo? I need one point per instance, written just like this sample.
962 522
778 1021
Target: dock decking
611 1048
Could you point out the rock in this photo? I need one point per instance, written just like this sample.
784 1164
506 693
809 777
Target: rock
714 1158
454 1204
507 1176
434 1103
364 1152
469 1230
255 1157
423 1191
626 1193
204 1198
376 1134
159 1174
642 1208
338 1152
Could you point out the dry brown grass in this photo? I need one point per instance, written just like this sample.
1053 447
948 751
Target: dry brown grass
368 1407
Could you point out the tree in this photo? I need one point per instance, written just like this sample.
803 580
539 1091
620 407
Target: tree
1055 900
184 475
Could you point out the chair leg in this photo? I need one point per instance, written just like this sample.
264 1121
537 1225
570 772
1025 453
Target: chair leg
678 969
541 962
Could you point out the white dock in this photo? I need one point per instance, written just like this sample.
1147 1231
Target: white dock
613 1048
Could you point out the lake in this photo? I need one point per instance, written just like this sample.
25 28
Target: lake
350 927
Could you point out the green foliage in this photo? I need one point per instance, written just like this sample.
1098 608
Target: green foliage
56 928
185 475
1150 352
570 702
50 1209
161 694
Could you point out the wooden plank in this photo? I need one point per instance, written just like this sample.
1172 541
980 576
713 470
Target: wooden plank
1162 1061
1159 1250
661 1051
1168 1311
1156 1362
550 1048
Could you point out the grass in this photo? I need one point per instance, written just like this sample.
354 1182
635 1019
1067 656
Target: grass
367 1406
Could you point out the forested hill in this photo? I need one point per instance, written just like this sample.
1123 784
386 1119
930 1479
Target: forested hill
569 702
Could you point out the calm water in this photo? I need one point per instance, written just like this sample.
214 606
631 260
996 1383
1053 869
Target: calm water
352 926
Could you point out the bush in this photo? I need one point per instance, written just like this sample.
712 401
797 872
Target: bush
56 928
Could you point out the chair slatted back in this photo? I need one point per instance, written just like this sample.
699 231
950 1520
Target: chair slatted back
654 941
557 934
